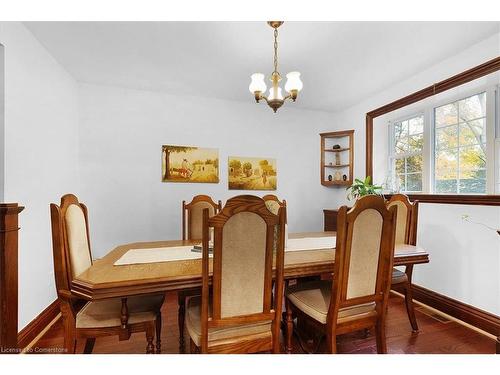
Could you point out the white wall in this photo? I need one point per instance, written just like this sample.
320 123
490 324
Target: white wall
2 124
465 261
41 129
121 134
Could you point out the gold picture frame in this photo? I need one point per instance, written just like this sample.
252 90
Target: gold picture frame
252 173
190 164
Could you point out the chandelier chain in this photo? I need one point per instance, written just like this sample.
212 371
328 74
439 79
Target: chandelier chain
276 50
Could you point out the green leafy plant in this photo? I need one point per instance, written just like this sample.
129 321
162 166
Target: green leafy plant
360 188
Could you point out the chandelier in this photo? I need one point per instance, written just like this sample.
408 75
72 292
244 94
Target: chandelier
275 97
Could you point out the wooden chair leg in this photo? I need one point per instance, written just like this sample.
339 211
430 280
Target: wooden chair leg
289 326
380 337
331 343
89 345
410 307
158 332
150 334
181 314
409 299
69 339
192 347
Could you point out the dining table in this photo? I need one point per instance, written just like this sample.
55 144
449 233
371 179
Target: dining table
107 278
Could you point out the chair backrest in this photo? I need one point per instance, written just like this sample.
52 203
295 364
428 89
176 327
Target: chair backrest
273 203
407 219
70 241
192 215
364 255
243 260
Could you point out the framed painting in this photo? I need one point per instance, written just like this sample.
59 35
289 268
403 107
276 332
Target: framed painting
190 164
251 173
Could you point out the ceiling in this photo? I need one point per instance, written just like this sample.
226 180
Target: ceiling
341 63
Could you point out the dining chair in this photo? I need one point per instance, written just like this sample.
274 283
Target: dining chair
111 317
357 297
238 314
273 203
192 227
406 233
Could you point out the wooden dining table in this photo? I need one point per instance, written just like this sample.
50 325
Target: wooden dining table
105 280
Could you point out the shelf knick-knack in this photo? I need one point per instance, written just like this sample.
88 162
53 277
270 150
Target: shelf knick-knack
329 177
338 176
337 158
344 177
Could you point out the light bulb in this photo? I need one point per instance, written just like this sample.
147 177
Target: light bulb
293 82
257 83
272 95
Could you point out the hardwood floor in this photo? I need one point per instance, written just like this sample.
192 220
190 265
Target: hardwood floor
436 336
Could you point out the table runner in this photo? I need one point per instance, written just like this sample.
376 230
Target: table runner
157 255
171 254
310 243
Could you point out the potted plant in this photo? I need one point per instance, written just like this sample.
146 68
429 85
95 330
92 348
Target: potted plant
360 188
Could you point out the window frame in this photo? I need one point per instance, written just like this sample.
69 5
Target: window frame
458 98
492 125
392 146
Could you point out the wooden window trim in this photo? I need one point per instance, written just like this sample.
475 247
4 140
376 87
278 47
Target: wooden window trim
479 71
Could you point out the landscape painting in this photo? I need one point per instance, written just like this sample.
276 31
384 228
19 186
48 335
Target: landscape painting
251 173
190 164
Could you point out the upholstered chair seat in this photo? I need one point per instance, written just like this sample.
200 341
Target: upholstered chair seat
398 277
406 234
193 325
192 217
72 256
356 298
236 312
107 313
313 298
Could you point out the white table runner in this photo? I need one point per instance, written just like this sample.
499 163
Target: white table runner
310 243
171 254
157 254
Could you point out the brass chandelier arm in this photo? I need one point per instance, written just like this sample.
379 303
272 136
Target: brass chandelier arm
259 96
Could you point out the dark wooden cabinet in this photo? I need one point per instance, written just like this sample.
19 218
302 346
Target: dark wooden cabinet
8 275
329 220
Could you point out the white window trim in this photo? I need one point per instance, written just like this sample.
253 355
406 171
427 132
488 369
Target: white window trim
428 153
393 156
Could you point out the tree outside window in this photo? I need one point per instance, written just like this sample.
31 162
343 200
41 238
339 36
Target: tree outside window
460 146
408 141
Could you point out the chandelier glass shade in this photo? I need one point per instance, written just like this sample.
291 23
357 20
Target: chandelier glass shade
275 98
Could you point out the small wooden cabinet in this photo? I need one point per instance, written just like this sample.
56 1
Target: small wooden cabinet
330 220
337 158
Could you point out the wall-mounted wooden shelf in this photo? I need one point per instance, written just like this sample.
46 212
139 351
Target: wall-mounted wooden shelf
337 183
341 158
338 150
337 166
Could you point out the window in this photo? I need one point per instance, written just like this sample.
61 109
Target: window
444 148
460 146
406 160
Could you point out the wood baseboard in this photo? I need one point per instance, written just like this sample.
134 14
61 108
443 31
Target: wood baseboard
37 325
478 318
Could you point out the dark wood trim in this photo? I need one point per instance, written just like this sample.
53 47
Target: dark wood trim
37 325
9 231
482 200
478 318
479 71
